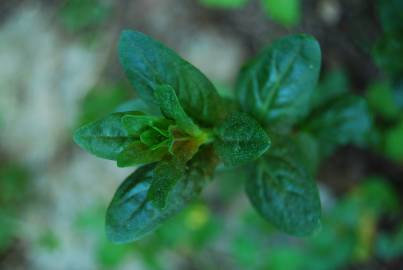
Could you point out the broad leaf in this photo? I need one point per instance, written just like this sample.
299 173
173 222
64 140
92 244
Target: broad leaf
240 139
276 87
132 214
283 192
341 121
172 109
104 138
138 153
149 64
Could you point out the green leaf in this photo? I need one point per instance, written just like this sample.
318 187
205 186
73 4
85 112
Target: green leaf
139 153
342 121
138 105
385 52
149 64
172 109
334 84
283 192
276 87
286 12
381 100
394 142
134 124
166 174
132 214
309 148
391 16
223 3
151 137
105 138
240 139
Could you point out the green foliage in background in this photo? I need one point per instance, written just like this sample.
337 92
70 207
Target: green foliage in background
385 95
13 192
352 233
285 12
187 129
77 15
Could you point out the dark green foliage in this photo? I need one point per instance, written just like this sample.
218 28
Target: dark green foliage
148 65
344 120
276 87
283 191
104 138
181 128
240 139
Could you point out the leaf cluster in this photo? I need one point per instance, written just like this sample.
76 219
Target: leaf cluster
181 129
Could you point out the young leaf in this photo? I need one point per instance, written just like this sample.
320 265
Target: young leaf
139 153
131 214
172 109
166 174
276 87
105 138
134 124
240 139
151 137
148 64
283 192
344 120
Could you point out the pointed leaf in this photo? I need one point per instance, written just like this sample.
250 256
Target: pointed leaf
148 64
138 153
134 124
283 192
131 214
277 85
105 138
172 109
240 139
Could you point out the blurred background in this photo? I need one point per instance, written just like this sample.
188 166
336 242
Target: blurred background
59 69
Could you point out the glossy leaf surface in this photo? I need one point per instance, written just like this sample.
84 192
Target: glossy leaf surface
105 138
149 64
277 85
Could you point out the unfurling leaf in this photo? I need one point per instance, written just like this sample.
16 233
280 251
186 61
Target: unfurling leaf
172 109
138 153
240 139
